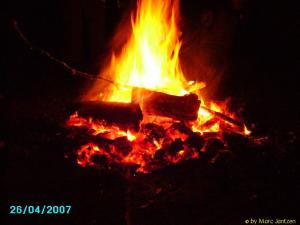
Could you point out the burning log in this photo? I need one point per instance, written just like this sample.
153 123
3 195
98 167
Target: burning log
125 115
184 108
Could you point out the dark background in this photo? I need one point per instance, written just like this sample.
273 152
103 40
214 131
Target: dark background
249 50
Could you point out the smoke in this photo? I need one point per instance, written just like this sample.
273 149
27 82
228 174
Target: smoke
208 33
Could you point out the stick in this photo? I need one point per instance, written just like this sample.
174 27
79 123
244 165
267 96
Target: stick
46 54
224 117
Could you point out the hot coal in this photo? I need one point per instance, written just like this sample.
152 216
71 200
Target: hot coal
153 130
182 128
195 140
123 146
175 146
169 145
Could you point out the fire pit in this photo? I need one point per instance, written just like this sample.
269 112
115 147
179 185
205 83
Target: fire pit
151 116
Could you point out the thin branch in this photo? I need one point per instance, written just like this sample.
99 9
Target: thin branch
67 67
224 117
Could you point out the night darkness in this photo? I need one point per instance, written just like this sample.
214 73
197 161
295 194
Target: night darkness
253 48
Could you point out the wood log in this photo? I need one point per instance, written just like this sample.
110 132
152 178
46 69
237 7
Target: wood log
124 115
183 108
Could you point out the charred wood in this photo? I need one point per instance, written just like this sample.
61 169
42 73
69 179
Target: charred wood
125 115
183 108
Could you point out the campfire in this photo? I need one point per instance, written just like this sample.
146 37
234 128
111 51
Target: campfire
145 139
150 116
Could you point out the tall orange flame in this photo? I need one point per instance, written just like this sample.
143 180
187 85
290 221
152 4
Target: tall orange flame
150 58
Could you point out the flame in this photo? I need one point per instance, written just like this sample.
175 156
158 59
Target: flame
247 132
130 136
150 58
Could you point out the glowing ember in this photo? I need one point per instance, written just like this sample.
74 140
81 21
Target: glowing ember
246 131
150 59
86 152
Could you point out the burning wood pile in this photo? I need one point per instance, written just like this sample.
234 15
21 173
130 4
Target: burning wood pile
166 130
152 117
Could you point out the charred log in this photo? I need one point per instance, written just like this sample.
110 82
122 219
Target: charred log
184 108
125 115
